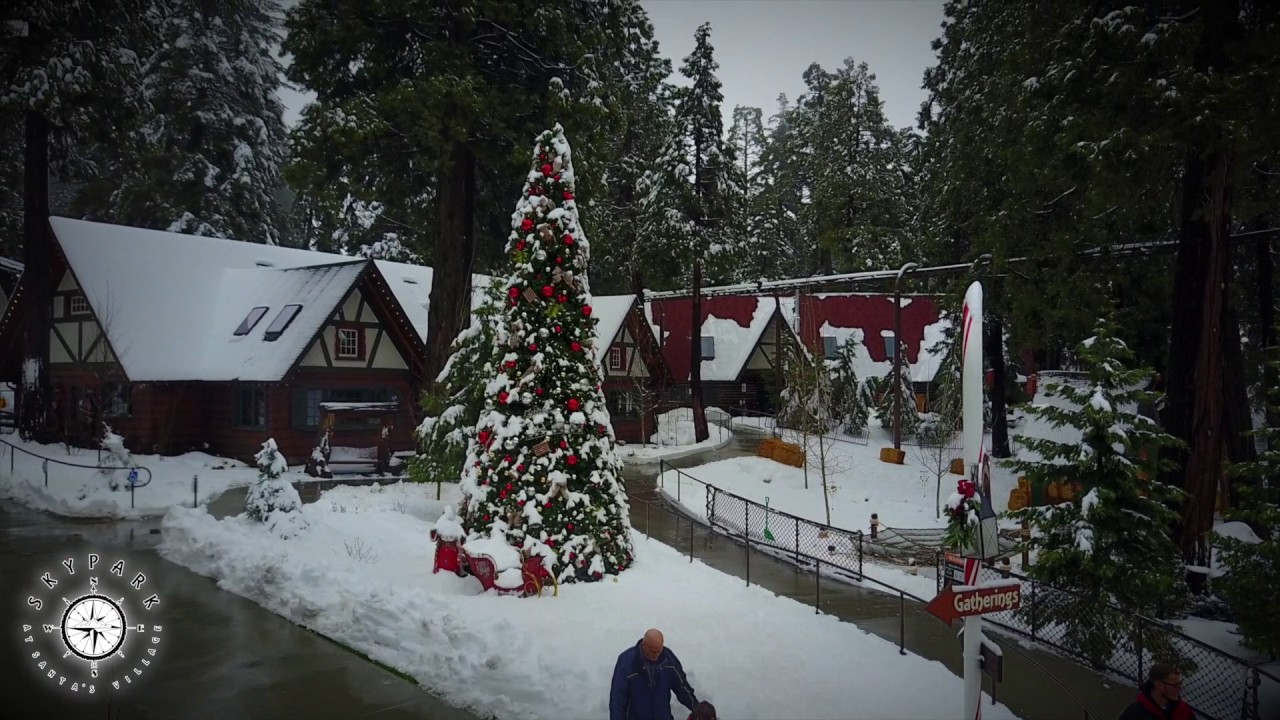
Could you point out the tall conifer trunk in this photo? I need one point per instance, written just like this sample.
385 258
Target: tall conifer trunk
452 258
700 430
35 398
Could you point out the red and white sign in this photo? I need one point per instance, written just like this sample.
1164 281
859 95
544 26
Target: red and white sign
950 604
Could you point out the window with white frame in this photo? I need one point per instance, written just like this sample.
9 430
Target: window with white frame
348 344
829 347
615 358
78 305
890 346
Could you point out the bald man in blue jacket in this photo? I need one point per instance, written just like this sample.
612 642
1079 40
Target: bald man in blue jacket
643 680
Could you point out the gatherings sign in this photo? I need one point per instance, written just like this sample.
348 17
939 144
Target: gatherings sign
91 625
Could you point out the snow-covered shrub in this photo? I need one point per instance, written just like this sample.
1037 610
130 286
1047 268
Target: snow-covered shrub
272 499
117 454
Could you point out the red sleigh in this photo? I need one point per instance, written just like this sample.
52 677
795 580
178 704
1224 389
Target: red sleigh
451 555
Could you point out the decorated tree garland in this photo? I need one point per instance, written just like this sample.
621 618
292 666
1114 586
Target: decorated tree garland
963 508
541 470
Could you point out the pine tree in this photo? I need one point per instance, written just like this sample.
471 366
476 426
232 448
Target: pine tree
272 499
1254 563
541 469
847 400
777 221
452 410
1113 543
636 126
205 159
901 385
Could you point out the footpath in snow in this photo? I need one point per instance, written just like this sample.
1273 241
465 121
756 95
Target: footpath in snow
360 573
675 437
78 488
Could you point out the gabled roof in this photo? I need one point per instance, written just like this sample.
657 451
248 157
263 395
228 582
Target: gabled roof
868 318
736 322
170 303
411 285
610 312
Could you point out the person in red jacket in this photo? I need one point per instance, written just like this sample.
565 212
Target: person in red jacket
1160 697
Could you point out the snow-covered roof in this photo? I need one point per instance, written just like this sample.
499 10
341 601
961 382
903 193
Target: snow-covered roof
610 311
170 304
867 319
411 284
736 322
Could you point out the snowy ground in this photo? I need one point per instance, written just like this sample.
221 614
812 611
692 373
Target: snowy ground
78 491
361 573
675 437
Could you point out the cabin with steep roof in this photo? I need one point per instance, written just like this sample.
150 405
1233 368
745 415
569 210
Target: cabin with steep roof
181 342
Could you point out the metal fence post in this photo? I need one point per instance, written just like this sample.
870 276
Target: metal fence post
195 491
860 536
45 466
691 541
646 519
902 623
131 488
746 541
817 585
1035 611
1137 646
797 541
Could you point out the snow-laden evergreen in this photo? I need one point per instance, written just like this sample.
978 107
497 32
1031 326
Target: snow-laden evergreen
1253 563
541 468
901 386
1113 541
272 499
452 411
206 157
848 401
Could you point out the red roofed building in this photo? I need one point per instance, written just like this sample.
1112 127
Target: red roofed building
739 338
828 320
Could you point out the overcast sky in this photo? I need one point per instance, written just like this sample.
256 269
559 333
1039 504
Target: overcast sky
764 46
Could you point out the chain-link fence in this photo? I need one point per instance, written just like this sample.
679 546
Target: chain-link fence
1108 638
781 534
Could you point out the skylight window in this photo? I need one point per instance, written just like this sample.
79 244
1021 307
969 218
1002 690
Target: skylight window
251 320
278 326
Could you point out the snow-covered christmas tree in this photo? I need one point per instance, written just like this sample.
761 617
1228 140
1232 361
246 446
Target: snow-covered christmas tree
902 385
847 395
541 469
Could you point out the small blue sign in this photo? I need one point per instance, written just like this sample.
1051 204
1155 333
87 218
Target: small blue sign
133 477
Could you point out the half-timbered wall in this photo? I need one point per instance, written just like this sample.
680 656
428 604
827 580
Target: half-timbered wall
76 336
354 338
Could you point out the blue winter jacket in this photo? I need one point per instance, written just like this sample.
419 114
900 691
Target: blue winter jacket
642 690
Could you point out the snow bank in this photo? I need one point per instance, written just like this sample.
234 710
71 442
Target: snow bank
551 657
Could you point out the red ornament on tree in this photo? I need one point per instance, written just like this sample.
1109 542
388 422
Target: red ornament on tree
537 391
559 260
558 329
572 459
520 467
484 437
563 444
569 526
503 396
511 364
575 346
573 405
526 225
568 195
520 245
506 459
586 310
548 291
533 347
514 293
547 169
568 239
563 298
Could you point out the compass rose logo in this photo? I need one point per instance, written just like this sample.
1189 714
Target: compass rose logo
80 624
